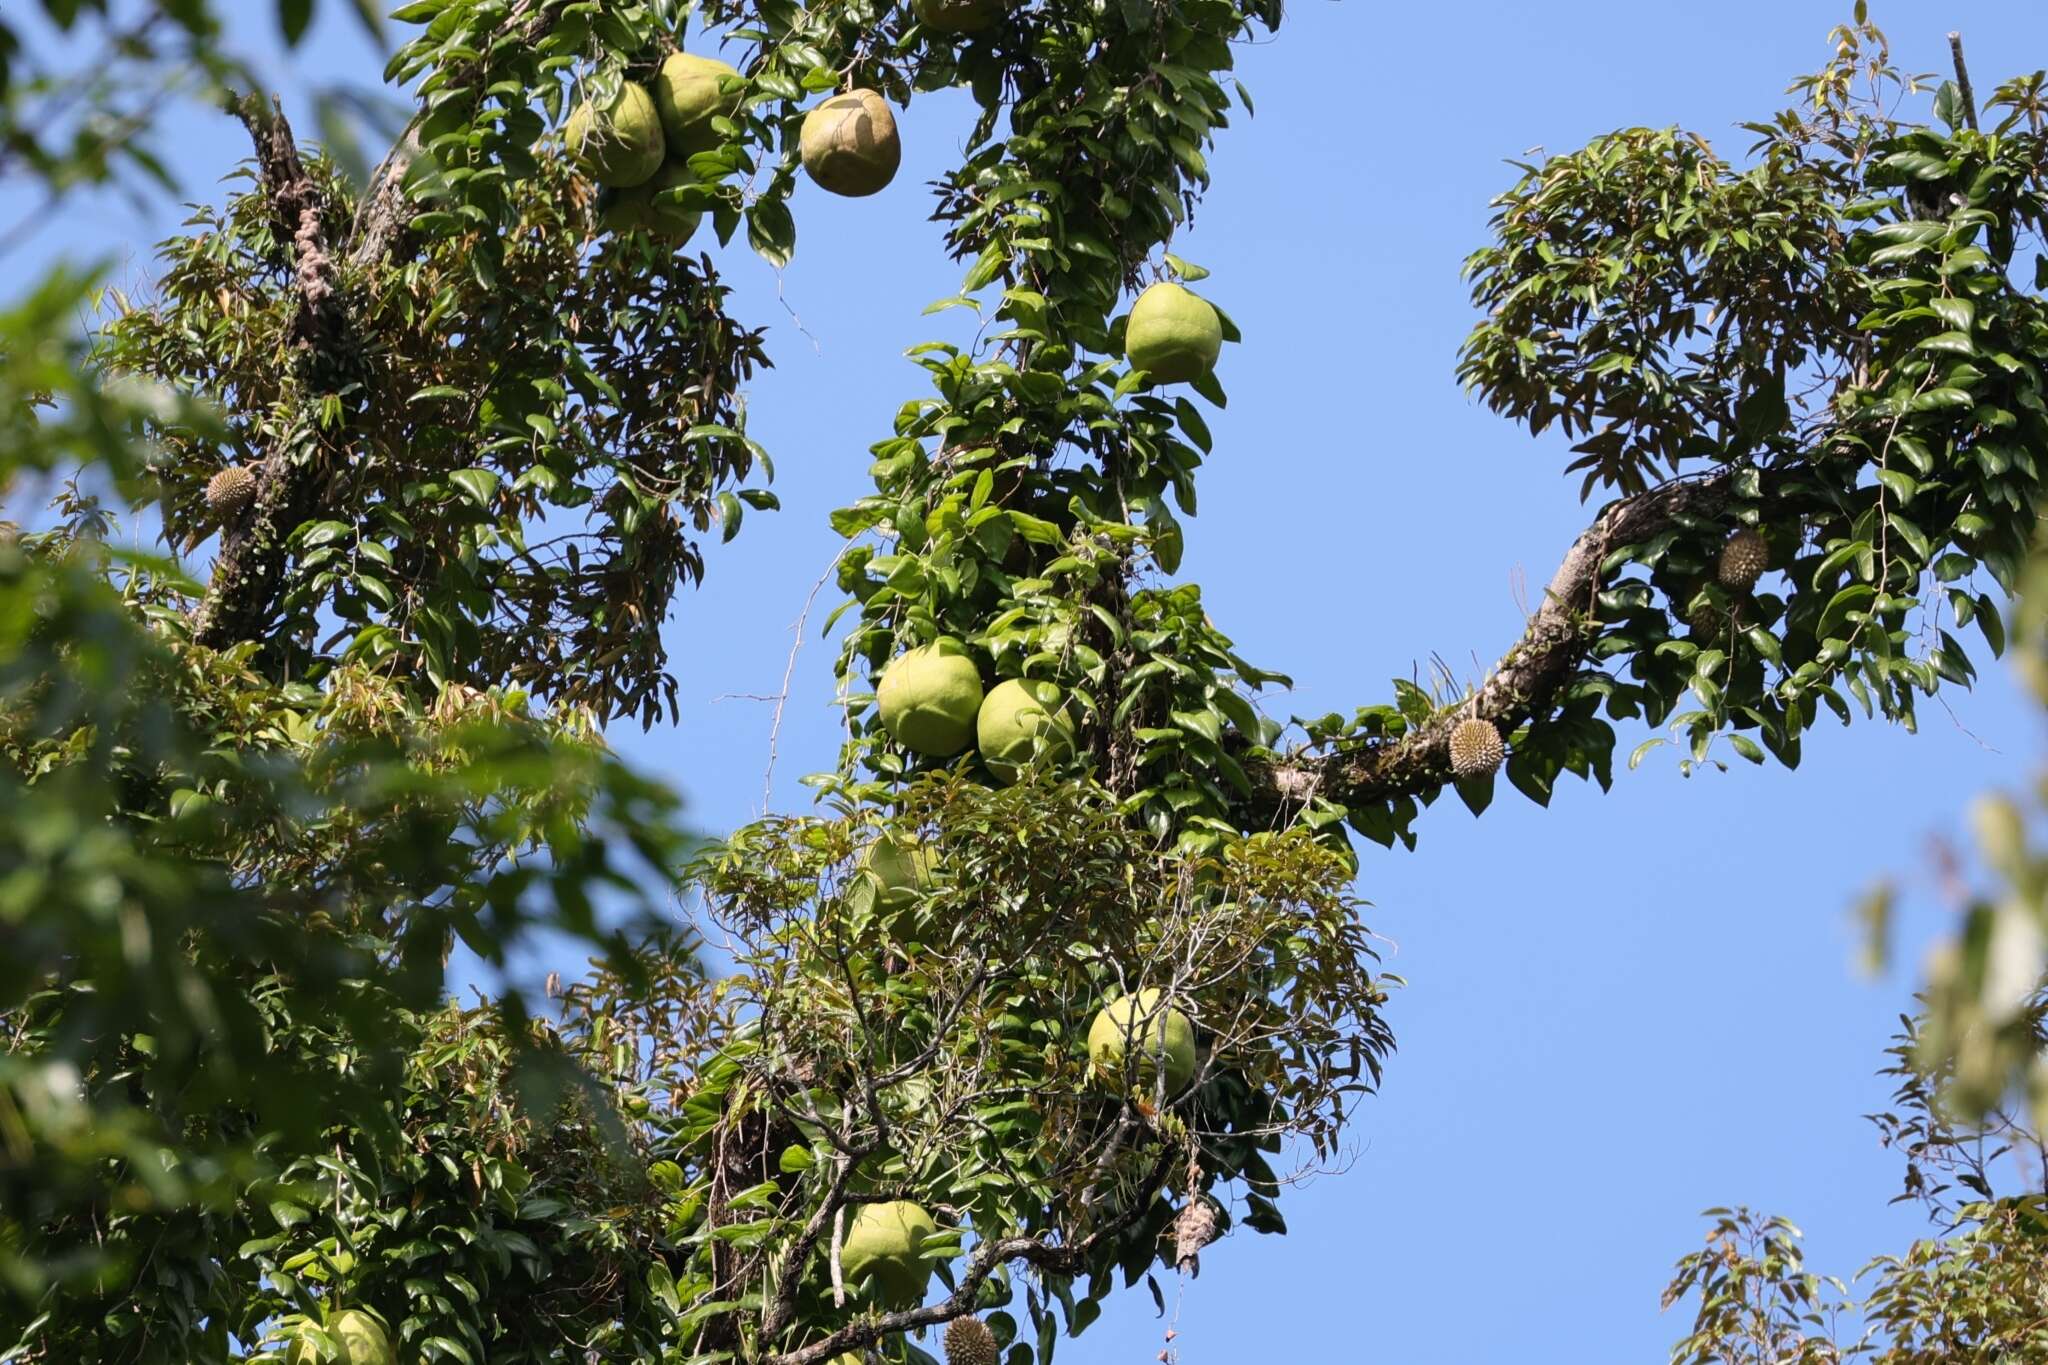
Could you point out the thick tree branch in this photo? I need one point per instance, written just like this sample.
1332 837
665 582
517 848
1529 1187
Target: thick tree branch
1523 685
249 572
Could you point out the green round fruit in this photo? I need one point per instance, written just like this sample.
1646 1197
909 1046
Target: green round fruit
620 145
884 1240
634 210
689 93
1140 1019
1020 721
360 1337
958 16
904 868
1173 334
849 143
929 697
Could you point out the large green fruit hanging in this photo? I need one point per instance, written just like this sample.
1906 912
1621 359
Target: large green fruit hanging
849 143
636 209
1021 721
886 1240
360 1337
929 697
904 868
620 144
1157 1031
689 93
1173 334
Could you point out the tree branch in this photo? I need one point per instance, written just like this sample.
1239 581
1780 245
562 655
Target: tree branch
1955 47
1523 685
249 572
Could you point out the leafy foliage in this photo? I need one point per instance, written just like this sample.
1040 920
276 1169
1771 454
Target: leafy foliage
932 1050
486 428
1973 1292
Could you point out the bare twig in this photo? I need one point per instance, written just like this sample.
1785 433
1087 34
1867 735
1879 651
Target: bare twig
1955 47
796 645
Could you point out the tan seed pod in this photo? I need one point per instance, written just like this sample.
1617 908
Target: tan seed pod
1476 750
229 492
970 1342
1744 559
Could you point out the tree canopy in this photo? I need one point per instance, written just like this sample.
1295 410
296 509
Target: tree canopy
1066 960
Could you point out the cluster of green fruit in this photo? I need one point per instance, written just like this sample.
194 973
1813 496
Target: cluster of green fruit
932 704
1742 561
885 1243
638 143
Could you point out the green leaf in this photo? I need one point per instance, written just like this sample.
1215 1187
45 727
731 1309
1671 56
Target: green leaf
480 484
1747 747
1948 105
771 231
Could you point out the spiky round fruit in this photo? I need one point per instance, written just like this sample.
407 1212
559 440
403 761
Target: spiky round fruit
619 144
636 210
231 491
358 1337
849 143
904 868
1743 560
958 16
1021 720
1157 1030
1173 334
689 92
1475 749
885 1241
970 1342
929 697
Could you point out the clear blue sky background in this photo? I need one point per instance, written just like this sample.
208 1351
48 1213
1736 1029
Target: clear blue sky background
1623 1009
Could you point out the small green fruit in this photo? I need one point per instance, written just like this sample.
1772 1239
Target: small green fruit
849 143
1744 558
1173 334
929 697
230 491
689 93
1021 721
1157 1030
904 867
620 145
885 1240
958 16
359 1336
970 1342
1476 749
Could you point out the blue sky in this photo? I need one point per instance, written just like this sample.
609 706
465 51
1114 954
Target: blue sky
1623 1009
